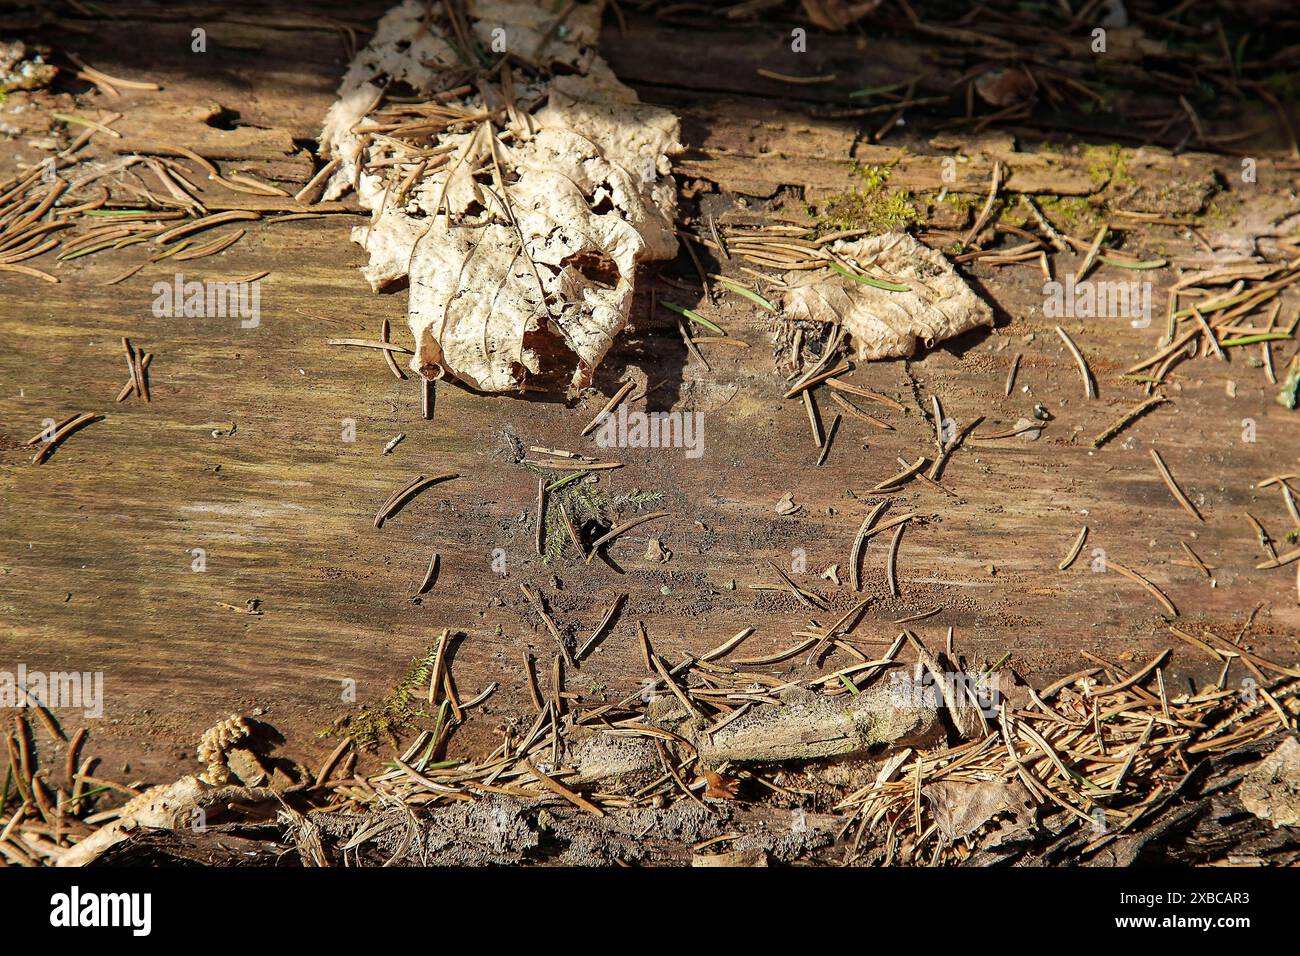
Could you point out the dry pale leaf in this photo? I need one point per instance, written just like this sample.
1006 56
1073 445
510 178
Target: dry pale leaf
937 305
522 238
962 807
720 786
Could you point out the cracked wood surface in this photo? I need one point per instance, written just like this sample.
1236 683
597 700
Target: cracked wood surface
242 450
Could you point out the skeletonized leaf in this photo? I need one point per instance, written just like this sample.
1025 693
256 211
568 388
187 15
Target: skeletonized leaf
521 247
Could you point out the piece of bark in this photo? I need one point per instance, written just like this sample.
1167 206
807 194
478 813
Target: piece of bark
186 803
1271 790
812 726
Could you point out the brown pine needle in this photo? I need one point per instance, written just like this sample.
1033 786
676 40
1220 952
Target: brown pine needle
613 533
983 217
1132 680
1089 386
903 475
861 392
814 419
1074 549
573 531
806 598
816 379
608 616
609 407
1196 560
76 424
550 783
830 437
891 561
541 515
859 542
1011 372
1174 490
1280 561
384 330
1130 416
858 413
429 575
1093 249
1136 578
399 498
727 646
537 605
428 394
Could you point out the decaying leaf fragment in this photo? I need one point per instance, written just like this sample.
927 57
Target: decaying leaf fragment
519 204
888 322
